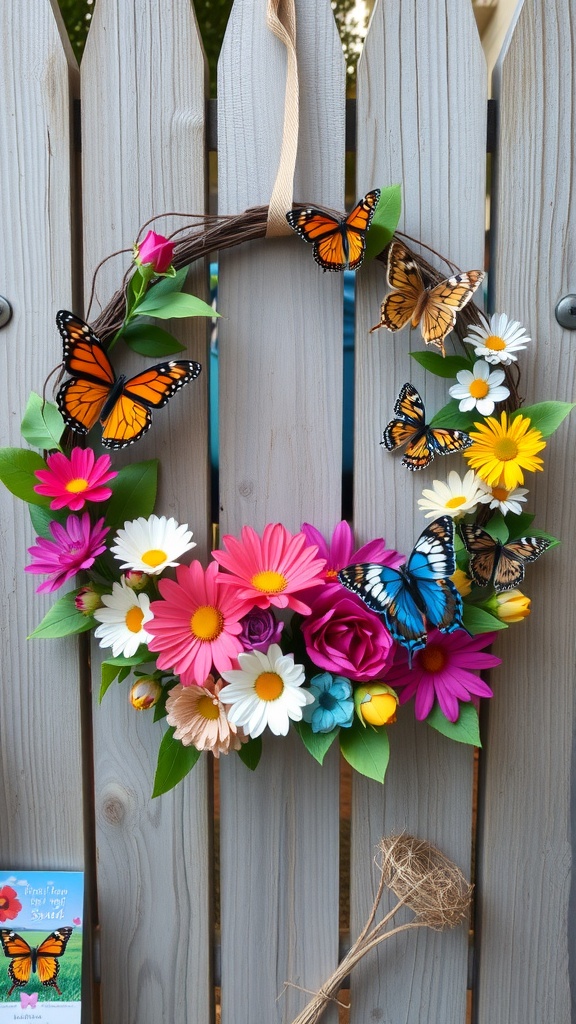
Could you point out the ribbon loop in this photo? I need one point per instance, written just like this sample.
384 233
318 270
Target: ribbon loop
281 20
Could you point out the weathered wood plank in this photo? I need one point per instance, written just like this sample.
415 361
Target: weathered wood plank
143 154
421 121
280 400
526 891
41 791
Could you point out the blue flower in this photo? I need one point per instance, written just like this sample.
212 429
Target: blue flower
333 703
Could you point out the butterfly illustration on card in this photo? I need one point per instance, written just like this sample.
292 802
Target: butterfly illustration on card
411 302
43 960
337 242
422 442
420 592
500 564
94 393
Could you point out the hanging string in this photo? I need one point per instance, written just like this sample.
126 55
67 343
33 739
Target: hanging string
281 20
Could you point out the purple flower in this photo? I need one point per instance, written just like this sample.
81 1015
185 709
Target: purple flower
75 546
345 637
259 630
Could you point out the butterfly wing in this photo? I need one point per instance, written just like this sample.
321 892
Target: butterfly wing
398 308
429 567
356 225
82 398
47 963
484 553
410 419
444 301
435 441
128 415
337 242
16 947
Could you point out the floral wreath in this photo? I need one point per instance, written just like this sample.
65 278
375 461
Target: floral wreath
287 631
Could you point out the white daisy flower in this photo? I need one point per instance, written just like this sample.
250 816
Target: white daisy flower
497 340
123 619
479 388
265 691
454 498
151 545
499 498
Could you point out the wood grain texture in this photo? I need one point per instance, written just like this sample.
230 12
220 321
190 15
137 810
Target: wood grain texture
422 122
280 435
526 825
40 751
143 153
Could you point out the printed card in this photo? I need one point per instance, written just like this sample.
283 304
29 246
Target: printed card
41 955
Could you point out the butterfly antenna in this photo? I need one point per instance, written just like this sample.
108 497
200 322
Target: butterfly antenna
427 267
119 252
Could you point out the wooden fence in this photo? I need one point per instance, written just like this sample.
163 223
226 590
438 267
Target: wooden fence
68 802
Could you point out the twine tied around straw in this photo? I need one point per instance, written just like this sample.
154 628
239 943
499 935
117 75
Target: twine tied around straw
421 878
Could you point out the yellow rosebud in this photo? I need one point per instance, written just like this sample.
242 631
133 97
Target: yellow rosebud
375 704
510 606
462 582
145 693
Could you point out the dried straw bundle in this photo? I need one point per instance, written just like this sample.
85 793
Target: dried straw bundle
424 880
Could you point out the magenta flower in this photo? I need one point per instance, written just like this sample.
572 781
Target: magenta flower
260 629
157 251
74 481
339 552
270 570
75 546
196 625
445 670
343 636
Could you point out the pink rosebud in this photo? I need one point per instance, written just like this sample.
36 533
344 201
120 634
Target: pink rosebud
156 250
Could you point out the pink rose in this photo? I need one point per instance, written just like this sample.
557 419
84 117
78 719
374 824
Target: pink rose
345 637
157 250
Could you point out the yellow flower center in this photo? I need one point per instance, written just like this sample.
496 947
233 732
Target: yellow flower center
500 493
77 485
479 388
3 903
133 619
495 343
505 449
269 582
154 557
456 501
206 623
433 658
268 685
208 708
331 574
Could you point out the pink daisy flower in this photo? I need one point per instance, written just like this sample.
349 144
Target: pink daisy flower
75 546
445 670
272 569
74 481
196 625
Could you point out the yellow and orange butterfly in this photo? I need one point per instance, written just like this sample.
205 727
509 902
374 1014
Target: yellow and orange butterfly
41 960
422 442
433 308
338 243
124 407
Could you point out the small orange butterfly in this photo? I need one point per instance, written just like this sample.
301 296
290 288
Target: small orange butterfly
433 308
337 242
27 960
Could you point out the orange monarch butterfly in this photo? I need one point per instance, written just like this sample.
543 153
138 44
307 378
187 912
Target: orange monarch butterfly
422 442
41 960
337 242
433 308
497 563
124 407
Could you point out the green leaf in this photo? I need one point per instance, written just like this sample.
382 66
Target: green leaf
42 517
441 366
174 762
17 467
142 657
316 743
42 425
497 527
178 305
133 493
251 752
546 416
148 340
478 620
63 619
519 524
366 749
384 221
109 674
465 729
168 285
450 416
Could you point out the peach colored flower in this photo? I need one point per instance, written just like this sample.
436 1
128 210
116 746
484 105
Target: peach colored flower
199 718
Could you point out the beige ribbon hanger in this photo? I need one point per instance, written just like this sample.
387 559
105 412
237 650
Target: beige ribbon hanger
281 20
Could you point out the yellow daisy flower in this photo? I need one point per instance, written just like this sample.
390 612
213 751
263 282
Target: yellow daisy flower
503 449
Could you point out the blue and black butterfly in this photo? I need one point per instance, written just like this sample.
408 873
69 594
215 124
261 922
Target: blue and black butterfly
417 593
422 441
